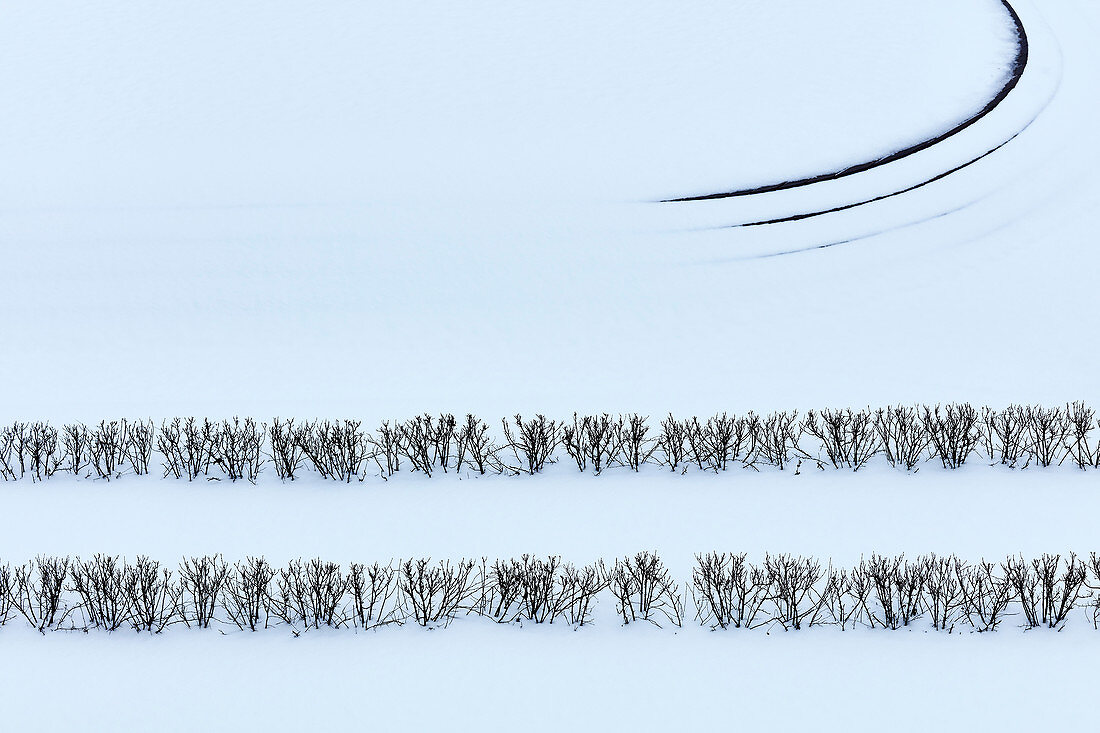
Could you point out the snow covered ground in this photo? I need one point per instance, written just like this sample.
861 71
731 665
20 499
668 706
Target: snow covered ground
233 211
373 210
975 511
478 675
475 678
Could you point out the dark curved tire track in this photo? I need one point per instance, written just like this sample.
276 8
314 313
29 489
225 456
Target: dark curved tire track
850 240
1018 66
883 197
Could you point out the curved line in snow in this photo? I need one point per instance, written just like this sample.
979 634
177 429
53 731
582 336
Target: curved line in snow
860 237
1018 66
883 197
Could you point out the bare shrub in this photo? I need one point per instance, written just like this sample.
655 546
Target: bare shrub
644 590
337 449
415 439
845 596
791 588
37 590
1025 586
427 442
727 590
153 597
238 448
542 591
731 438
909 589
32 447
538 590
592 440
443 439
11 456
187 447
75 446
311 594
521 590
848 438
952 432
700 446
721 440
985 595
897 587
1079 448
573 440
108 448
387 448
201 582
1004 434
475 447
943 593
435 594
635 448
286 454
776 439
1092 583
1047 429
903 435
578 588
375 597
1046 588
246 593
499 590
1061 591
101 585
138 449
39 445
7 593
538 596
533 442
671 442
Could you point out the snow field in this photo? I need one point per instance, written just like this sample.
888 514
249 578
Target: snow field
550 679
219 209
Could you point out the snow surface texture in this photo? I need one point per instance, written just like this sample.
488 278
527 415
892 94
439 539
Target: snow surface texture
382 209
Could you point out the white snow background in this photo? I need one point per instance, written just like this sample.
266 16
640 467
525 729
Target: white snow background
376 209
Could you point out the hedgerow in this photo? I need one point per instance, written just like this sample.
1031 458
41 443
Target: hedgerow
726 591
902 436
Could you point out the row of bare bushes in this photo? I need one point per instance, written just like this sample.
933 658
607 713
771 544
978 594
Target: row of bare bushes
905 437
727 591
943 593
107 592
